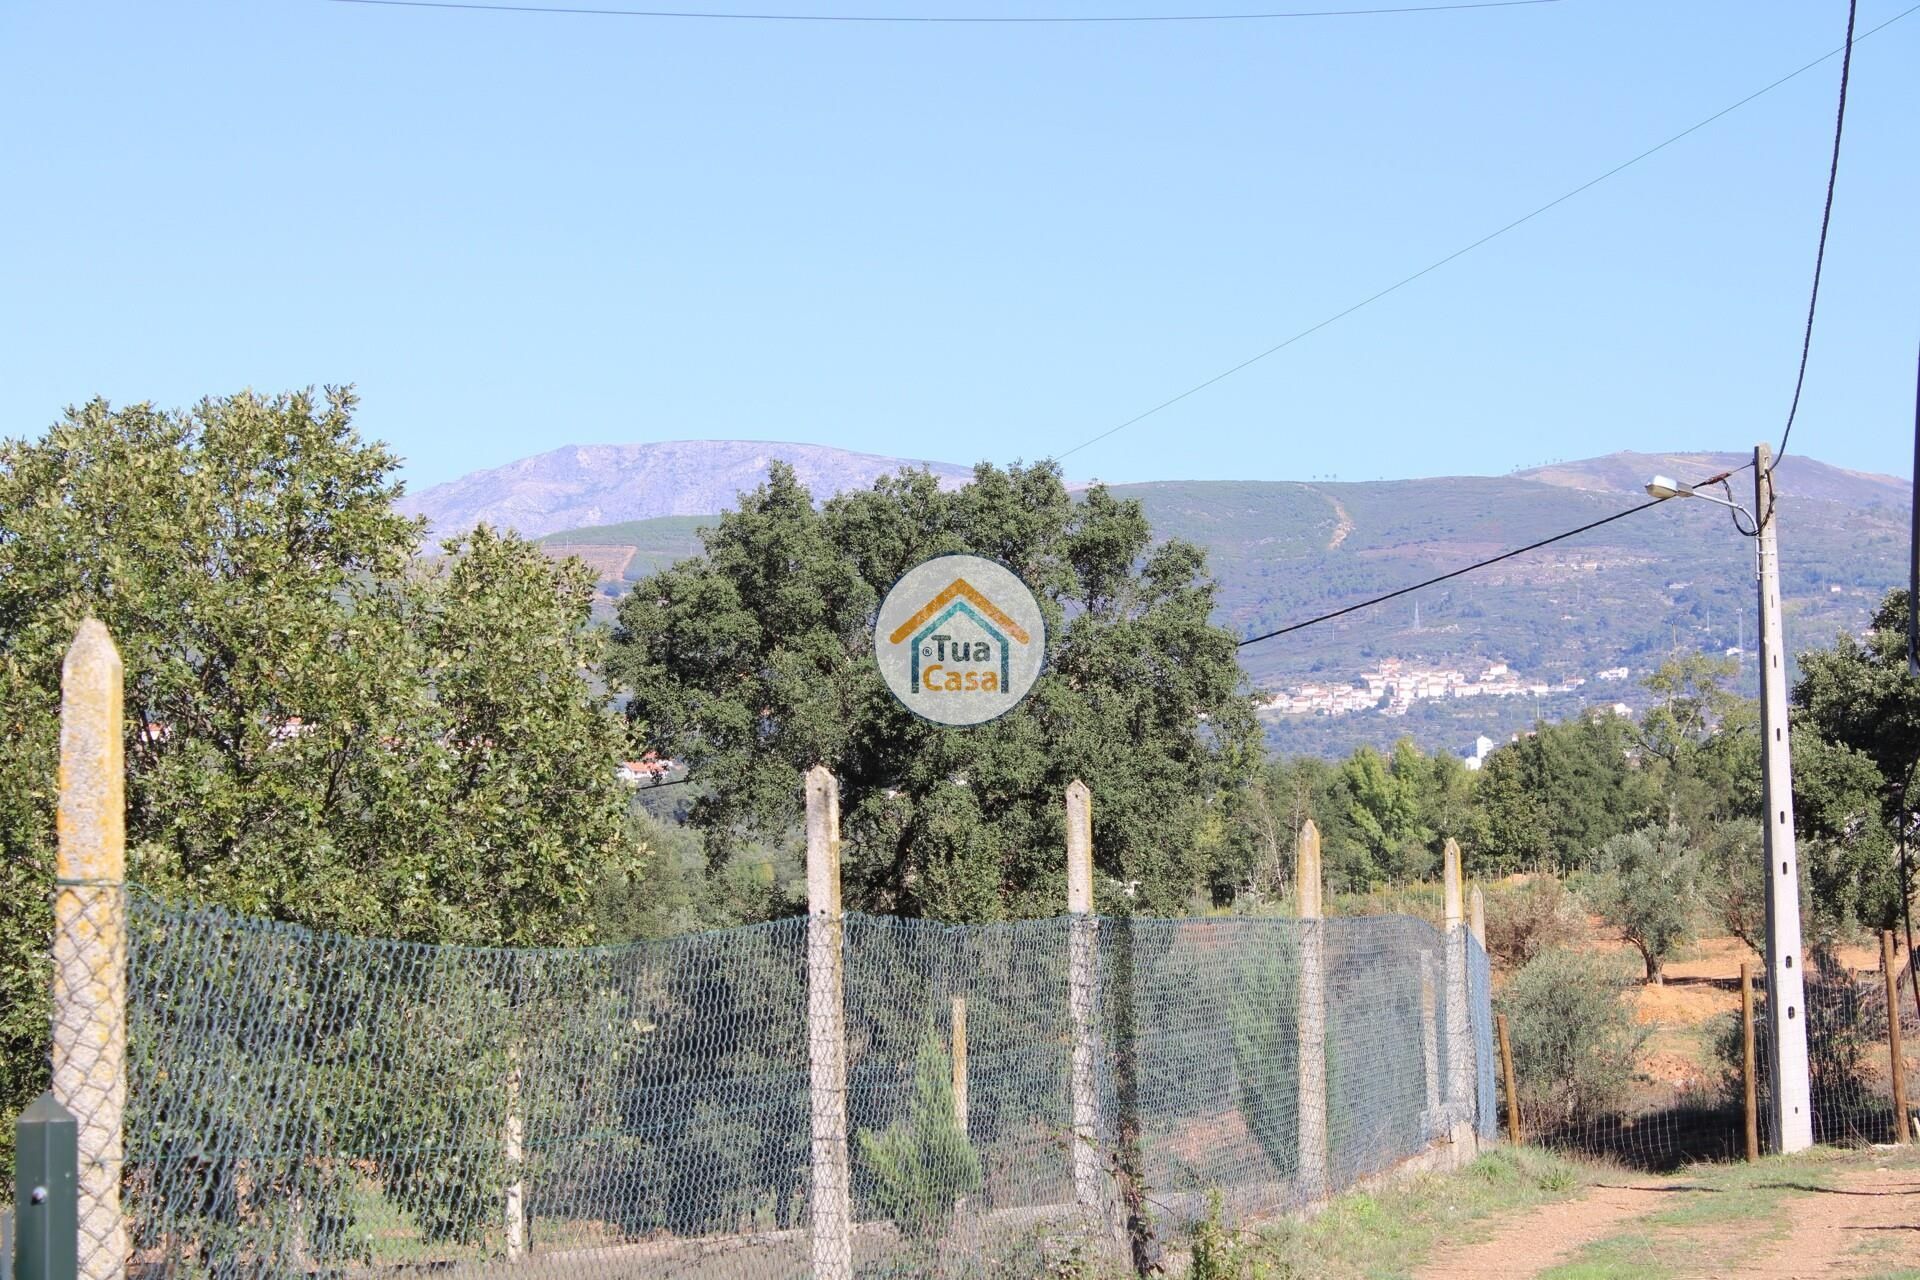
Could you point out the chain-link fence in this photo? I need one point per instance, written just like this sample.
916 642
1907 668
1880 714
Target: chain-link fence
305 1103
1850 1069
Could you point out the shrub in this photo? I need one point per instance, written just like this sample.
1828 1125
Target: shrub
1573 1035
1648 886
1526 919
921 1163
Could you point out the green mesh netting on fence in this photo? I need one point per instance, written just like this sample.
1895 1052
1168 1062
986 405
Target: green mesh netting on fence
304 1104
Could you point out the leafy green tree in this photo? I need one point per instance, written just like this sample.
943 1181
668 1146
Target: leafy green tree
1859 695
1384 805
1846 847
1561 790
754 661
320 728
1647 885
1700 741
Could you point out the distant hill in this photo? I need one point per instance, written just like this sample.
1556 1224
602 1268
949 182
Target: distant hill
1623 595
631 550
1803 477
604 484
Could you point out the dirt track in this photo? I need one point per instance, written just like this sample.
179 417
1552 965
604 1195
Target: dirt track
1528 1245
1866 1222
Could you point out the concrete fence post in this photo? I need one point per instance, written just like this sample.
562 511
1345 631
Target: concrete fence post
1477 916
1312 1016
831 1203
1461 1076
513 1149
90 941
1082 996
1432 1118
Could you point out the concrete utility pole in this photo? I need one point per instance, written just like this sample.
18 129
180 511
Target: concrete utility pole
1792 1120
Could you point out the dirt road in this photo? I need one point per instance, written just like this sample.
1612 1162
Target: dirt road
1787 1221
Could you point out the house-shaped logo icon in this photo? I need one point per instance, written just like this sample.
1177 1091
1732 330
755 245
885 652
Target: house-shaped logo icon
960 639
959 599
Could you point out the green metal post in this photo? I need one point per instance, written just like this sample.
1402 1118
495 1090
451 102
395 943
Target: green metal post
46 1192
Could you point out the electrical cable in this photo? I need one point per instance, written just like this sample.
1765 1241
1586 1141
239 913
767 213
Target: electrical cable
1479 564
1820 256
1462 252
982 20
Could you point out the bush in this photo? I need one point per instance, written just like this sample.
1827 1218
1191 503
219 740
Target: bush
1524 920
1573 1034
921 1164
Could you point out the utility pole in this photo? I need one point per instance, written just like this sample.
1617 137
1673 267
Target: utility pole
1792 1119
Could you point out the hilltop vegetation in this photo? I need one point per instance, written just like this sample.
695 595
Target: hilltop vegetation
1675 579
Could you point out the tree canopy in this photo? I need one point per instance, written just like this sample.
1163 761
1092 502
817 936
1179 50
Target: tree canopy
754 662
319 726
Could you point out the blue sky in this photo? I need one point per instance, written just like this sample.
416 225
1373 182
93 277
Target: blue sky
515 231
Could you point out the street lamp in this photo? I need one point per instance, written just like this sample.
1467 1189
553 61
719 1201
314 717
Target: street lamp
1664 487
1792 1119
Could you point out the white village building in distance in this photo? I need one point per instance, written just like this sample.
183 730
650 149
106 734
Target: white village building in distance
1393 688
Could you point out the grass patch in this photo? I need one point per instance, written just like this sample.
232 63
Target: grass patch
1628 1256
1383 1235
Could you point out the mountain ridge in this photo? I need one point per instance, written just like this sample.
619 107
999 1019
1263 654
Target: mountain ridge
589 485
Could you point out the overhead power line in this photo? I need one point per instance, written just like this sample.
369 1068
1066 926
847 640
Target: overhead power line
1431 267
1476 565
1826 218
967 19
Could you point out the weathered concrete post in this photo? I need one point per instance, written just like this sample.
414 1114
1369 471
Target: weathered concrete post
513 1149
90 940
1082 995
1460 1064
1477 916
831 1202
960 1064
1432 1117
1313 1016
1083 948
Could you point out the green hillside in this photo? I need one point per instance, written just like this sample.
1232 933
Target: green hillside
656 543
1622 595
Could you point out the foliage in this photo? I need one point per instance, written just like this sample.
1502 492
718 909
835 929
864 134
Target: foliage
1558 792
921 1163
299 690
1573 1035
754 662
1858 695
1734 880
1382 819
1647 885
1219 1252
1700 742
1526 919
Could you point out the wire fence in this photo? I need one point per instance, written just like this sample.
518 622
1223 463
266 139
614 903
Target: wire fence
306 1103
1851 1081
